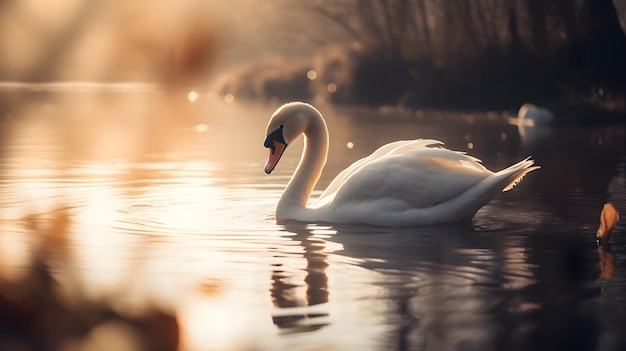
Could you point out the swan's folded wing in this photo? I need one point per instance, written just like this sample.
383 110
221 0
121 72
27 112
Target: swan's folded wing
416 179
393 148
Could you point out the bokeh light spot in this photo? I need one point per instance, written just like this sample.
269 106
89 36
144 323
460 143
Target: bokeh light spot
192 96
201 128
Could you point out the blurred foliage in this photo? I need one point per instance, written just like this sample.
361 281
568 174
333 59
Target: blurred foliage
44 307
450 32
173 43
132 64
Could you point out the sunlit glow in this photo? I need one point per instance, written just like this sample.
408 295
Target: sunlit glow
201 128
322 232
350 145
192 96
79 87
205 321
229 98
517 264
214 323
220 321
14 253
311 74
105 267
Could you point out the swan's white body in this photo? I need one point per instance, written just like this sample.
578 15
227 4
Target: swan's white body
404 183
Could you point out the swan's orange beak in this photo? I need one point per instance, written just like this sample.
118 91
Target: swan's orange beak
276 151
275 141
608 221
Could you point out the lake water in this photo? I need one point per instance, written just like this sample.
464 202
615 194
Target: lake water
137 219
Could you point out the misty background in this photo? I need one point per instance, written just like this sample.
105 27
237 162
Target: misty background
479 55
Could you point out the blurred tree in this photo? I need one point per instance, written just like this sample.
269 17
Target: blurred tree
542 45
169 42
603 45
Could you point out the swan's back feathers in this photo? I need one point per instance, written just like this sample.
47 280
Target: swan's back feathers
414 174
416 183
516 172
394 148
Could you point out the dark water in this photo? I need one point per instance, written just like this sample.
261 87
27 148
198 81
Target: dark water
142 220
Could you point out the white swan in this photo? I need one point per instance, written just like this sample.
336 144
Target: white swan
530 115
533 123
404 183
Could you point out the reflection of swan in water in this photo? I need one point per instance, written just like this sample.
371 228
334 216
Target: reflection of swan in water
302 299
404 183
533 122
316 283
608 221
420 283
607 262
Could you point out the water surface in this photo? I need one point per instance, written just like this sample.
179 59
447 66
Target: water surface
147 219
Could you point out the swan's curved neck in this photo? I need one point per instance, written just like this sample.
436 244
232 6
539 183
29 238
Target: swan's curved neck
309 169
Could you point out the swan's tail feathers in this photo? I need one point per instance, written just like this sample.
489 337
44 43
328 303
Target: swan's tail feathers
514 174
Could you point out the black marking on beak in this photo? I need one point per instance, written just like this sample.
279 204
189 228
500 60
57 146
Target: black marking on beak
276 135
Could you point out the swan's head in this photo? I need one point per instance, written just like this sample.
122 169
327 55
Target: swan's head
608 221
285 125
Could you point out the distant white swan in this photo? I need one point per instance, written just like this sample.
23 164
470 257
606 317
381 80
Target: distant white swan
404 183
530 115
533 123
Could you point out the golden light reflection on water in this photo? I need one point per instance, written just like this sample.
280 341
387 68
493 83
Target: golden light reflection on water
140 235
138 246
14 252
